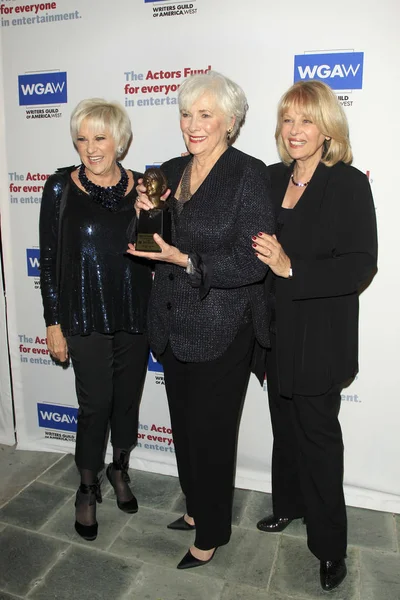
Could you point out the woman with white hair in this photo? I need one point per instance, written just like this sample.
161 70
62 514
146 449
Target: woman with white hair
207 305
95 299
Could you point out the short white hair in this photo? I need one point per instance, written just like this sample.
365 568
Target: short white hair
102 115
229 96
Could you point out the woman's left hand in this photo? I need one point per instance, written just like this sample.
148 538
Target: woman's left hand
168 254
270 252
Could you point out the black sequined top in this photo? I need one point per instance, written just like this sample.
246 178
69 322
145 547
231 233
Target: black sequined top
95 286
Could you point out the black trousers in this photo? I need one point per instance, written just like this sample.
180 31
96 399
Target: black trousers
205 401
109 376
307 464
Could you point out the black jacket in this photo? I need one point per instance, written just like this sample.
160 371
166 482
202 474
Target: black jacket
332 243
230 206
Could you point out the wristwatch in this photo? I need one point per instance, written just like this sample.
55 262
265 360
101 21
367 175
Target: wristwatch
190 270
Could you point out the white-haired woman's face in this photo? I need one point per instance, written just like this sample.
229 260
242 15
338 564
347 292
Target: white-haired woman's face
204 127
97 149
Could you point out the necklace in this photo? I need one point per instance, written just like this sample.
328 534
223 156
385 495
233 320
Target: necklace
186 194
109 197
299 184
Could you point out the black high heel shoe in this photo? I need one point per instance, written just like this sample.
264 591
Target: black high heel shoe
129 506
189 561
88 532
181 525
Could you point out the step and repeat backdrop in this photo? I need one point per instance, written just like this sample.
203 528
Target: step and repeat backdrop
138 52
7 435
6 412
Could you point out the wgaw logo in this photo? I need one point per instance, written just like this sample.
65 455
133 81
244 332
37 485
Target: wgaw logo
154 365
33 262
42 88
52 416
340 70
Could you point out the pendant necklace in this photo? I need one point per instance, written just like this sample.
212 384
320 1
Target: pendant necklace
185 194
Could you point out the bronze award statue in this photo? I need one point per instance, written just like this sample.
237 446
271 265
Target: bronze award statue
157 219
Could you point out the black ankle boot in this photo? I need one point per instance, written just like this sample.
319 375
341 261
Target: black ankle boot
121 465
88 494
332 573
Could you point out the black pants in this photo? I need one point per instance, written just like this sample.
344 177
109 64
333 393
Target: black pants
109 376
205 401
307 464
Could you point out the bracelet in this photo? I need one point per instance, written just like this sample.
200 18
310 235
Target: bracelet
290 276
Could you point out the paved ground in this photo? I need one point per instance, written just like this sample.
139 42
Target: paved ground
135 557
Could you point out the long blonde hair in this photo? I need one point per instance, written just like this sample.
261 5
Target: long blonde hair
317 101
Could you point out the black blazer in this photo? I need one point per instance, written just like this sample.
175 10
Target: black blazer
331 240
231 205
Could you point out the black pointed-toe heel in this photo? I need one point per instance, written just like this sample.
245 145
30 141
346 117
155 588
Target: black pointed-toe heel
88 532
332 573
130 506
181 525
189 561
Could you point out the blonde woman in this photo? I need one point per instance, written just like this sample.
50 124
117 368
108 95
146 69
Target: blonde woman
324 251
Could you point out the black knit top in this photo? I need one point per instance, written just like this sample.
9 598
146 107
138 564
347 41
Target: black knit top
217 223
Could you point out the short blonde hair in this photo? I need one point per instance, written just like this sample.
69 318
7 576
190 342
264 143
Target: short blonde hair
103 115
317 101
229 96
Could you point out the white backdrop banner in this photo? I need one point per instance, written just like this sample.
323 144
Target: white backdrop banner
138 52
7 435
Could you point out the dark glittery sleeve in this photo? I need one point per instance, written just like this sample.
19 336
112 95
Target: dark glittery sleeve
199 278
48 240
131 230
239 265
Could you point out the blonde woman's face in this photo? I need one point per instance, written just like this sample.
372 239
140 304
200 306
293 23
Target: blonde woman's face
302 138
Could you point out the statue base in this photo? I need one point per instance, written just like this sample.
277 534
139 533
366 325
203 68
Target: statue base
155 220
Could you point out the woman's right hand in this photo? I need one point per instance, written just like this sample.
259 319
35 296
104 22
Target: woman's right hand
56 343
142 201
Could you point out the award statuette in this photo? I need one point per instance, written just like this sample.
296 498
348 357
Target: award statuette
157 219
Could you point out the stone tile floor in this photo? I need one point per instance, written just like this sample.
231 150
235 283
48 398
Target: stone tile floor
135 557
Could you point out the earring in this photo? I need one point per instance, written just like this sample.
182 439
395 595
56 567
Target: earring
228 133
120 150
